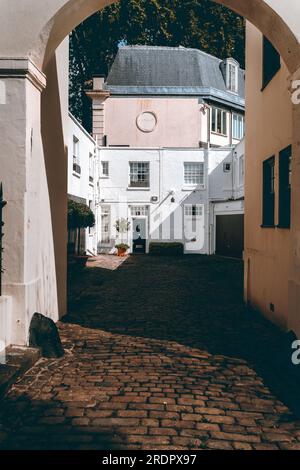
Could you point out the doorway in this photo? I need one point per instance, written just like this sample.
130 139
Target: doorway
139 235
230 235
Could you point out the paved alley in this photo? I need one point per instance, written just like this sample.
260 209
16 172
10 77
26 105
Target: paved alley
160 354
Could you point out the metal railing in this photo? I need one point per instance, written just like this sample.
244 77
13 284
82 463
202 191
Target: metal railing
2 204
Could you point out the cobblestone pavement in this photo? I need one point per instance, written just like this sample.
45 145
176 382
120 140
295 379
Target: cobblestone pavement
160 354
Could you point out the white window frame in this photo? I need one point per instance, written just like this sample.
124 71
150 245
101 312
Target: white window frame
241 170
131 184
91 168
227 167
106 240
198 175
215 112
193 210
238 126
232 76
105 174
139 211
76 152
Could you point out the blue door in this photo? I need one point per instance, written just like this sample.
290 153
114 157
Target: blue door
139 236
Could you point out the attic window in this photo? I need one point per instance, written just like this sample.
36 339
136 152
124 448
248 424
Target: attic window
232 75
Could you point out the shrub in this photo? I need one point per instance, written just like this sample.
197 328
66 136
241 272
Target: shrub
79 216
166 249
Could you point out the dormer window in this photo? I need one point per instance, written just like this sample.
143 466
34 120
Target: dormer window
232 75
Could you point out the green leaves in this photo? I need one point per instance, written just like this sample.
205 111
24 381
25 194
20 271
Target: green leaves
122 225
79 216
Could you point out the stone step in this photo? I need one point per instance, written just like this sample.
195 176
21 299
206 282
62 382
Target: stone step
18 360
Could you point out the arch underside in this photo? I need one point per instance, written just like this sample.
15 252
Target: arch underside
258 12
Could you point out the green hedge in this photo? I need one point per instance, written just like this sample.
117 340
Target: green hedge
166 249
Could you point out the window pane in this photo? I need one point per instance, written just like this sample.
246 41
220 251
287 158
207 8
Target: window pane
224 127
105 168
285 176
213 120
194 174
193 210
139 175
139 210
105 225
219 121
269 192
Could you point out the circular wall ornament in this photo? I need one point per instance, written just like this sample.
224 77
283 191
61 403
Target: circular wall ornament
146 121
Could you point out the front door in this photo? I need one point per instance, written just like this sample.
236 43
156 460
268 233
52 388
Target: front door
139 235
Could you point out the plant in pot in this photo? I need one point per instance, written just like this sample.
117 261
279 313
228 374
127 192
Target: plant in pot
122 226
80 217
122 249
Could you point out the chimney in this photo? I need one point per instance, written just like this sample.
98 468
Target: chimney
98 96
98 82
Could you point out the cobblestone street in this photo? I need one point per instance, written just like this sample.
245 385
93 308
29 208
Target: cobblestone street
160 354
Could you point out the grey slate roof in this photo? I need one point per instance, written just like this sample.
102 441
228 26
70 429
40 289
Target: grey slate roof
152 70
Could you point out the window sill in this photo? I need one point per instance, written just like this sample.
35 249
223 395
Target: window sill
78 175
284 226
103 177
219 134
233 91
268 226
138 189
193 188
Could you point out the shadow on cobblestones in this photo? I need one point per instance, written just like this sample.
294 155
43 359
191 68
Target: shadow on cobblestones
195 301
160 354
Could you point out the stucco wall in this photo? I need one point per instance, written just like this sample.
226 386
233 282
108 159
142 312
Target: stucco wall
79 185
269 125
173 115
166 182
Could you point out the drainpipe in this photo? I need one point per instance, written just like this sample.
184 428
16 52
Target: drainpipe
208 125
233 154
230 130
160 173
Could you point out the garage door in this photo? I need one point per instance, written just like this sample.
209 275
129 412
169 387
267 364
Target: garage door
230 235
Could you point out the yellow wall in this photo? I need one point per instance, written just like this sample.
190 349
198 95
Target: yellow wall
268 130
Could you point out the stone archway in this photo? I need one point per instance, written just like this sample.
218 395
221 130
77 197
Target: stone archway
35 245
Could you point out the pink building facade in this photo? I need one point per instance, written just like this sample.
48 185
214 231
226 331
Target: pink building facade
169 97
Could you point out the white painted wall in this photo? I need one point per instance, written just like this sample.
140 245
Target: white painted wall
226 189
166 183
79 185
224 185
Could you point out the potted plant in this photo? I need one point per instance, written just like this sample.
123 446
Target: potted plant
80 217
122 226
122 249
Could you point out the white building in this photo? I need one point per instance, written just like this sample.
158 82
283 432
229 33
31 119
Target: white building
226 196
168 121
168 195
82 178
